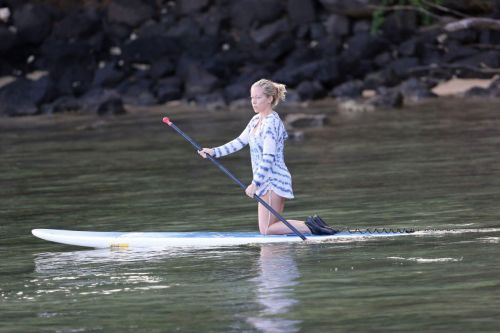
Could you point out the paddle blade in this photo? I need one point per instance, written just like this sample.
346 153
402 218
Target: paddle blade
167 121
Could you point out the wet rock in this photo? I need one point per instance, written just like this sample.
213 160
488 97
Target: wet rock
23 96
350 106
102 102
303 120
111 106
62 104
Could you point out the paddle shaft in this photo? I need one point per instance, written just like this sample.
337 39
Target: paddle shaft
222 168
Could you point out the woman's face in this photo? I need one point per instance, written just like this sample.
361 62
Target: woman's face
260 101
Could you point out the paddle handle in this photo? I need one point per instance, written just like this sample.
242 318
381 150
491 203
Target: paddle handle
167 121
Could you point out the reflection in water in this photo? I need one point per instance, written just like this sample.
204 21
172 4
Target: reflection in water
278 275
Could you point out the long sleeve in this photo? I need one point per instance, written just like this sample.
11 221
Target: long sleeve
268 155
234 145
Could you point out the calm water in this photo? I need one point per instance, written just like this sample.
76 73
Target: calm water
428 166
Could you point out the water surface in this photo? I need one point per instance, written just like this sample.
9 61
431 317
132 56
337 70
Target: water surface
432 166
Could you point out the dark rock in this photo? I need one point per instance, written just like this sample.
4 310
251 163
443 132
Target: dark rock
137 92
72 77
199 82
311 90
112 106
185 7
301 11
489 59
329 46
455 52
466 36
33 22
361 26
383 59
415 90
337 25
399 26
107 76
267 33
77 25
477 92
130 12
245 13
8 39
236 91
352 8
116 32
161 68
63 104
328 72
409 47
364 46
149 49
169 89
23 96
280 47
402 67
213 101
387 99
348 89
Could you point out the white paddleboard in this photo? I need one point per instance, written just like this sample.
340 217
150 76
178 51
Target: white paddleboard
186 239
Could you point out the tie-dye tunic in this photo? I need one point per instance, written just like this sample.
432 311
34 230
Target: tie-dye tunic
267 146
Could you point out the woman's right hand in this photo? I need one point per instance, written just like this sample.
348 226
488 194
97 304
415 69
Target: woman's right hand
204 151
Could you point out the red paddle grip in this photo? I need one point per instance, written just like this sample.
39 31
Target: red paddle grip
167 121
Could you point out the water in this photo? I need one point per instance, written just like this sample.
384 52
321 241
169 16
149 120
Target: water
430 166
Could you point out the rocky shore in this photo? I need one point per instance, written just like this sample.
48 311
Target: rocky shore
99 56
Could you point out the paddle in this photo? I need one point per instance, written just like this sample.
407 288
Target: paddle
167 121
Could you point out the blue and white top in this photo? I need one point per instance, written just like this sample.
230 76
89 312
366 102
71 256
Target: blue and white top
267 145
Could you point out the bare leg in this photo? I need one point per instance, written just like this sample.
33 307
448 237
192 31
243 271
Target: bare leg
270 224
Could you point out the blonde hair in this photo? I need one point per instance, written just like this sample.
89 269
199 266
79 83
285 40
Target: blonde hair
276 90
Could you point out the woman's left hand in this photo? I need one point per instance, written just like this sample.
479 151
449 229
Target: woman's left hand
251 189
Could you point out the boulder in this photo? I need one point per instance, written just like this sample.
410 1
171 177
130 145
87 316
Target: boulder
149 49
212 102
23 96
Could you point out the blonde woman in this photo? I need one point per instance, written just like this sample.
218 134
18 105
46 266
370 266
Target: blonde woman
266 135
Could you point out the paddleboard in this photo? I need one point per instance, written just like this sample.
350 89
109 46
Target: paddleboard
188 239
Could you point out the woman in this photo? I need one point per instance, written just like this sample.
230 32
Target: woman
266 135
